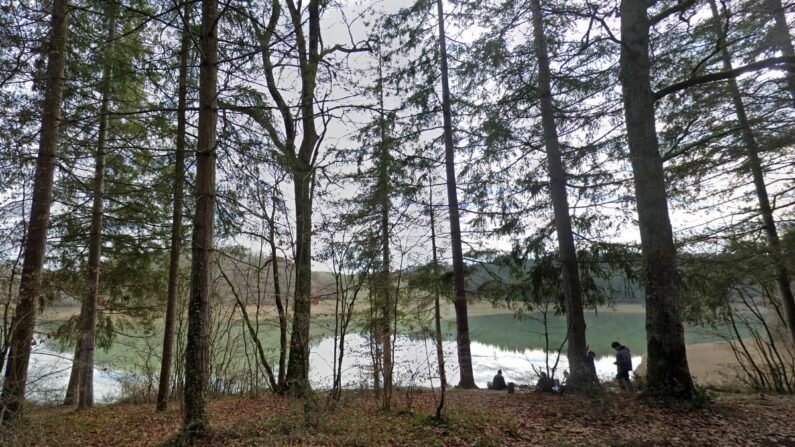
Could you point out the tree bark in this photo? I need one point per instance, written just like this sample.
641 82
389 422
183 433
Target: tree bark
287 146
13 393
85 384
459 281
572 289
176 217
385 207
298 361
668 372
437 316
70 397
277 297
375 348
757 172
197 349
783 39
303 181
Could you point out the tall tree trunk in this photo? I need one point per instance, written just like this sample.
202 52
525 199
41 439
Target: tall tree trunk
668 371
298 362
437 315
755 163
287 147
13 394
176 217
277 297
303 181
386 334
85 383
197 349
385 207
783 39
375 348
459 281
572 289
74 375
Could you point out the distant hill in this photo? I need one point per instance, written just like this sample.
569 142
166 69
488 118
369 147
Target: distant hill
243 274
323 286
620 289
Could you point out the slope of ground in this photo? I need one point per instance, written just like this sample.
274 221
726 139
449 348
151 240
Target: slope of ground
473 418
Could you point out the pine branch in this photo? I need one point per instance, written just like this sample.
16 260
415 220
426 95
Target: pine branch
787 62
662 15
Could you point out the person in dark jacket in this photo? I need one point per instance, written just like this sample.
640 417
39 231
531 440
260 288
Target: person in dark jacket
590 363
545 384
623 365
498 382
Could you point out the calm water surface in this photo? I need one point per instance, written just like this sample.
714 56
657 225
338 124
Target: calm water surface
499 341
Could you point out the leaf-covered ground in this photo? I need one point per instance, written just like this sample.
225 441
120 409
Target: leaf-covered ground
473 418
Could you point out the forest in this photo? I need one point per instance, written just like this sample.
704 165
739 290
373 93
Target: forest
397 222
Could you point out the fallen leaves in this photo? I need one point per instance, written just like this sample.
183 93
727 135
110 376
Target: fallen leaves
479 417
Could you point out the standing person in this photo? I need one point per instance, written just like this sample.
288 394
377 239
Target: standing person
623 365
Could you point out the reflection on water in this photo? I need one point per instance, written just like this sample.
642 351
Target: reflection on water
48 377
602 328
415 363
499 341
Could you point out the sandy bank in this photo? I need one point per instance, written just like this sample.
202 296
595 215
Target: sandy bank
710 364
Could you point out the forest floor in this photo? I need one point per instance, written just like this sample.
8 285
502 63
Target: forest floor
476 417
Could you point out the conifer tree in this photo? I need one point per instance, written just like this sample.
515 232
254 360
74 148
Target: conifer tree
411 30
89 318
782 272
572 290
177 211
197 361
459 280
13 393
667 366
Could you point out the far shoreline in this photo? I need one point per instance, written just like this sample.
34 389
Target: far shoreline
326 308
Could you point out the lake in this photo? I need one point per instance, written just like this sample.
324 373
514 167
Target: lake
499 341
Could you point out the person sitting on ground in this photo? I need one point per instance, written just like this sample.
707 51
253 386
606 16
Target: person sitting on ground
623 365
590 363
498 382
544 384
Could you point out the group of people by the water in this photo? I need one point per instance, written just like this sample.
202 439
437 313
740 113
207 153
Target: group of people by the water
549 385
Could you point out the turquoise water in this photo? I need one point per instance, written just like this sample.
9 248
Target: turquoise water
517 334
503 331
499 340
